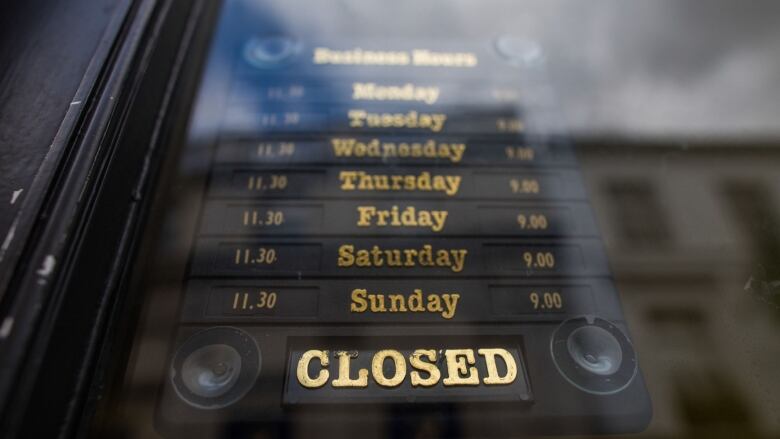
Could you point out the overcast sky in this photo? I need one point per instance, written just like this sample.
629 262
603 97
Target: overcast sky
652 67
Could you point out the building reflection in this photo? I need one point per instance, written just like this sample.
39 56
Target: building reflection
692 236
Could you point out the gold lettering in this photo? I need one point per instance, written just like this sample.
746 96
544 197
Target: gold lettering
424 182
460 370
453 183
397 303
410 216
434 304
348 180
346 256
416 58
416 301
439 218
451 304
428 58
377 368
364 215
446 304
371 91
458 149
343 379
492 377
412 119
425 369
359 303
357 118
377 303
417 362
303 369
454 259
358 56
376 149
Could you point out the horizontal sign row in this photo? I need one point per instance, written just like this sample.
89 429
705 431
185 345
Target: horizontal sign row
340 257
380 150
286 118
418 90
405 301
397 183
340 217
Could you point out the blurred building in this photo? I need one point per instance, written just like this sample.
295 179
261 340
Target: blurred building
694 241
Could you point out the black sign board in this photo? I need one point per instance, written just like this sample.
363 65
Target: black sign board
388 225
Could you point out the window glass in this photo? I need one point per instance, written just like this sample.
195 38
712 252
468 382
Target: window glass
461 219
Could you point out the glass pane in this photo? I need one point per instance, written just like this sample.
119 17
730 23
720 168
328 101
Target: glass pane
461 219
